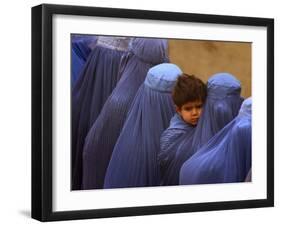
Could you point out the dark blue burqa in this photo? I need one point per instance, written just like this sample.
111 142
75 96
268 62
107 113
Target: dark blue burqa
96 82
222 105
80 50
134 159
226 157
100 141
169 141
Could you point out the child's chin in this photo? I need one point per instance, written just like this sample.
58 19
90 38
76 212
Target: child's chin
193 123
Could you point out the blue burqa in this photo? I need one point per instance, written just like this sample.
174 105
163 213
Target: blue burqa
96 82
226 157
169 141
222 105
144 53
80 50
134 159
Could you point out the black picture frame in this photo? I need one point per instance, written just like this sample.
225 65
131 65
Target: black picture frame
42 107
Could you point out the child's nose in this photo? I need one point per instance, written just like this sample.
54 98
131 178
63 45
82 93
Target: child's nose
194 111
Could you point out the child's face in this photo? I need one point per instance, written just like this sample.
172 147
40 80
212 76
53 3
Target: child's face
190 112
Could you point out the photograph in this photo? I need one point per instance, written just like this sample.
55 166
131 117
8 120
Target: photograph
157 112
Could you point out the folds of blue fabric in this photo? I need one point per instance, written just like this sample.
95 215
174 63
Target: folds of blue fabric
222 105
170 175
80 50
225 158
134 159
170 140
104 133
95 84
217 112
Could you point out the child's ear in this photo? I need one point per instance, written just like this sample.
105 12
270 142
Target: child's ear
178 109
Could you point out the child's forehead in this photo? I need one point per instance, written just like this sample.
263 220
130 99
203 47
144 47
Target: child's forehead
193 103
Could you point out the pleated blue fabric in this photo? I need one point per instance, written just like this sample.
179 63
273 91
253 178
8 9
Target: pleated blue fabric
76 66
99 144
80 50
94 85
169 141
226 158
222 105
134 159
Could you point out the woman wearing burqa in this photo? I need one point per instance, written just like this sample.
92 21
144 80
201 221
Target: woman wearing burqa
134 159
226 157
144 53
96 82
222 105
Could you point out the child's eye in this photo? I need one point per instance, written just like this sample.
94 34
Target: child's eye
187 108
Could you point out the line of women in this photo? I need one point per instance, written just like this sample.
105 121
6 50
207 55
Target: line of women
121 104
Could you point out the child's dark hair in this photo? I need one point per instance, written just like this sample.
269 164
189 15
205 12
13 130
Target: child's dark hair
188 88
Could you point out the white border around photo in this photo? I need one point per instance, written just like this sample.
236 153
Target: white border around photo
64 199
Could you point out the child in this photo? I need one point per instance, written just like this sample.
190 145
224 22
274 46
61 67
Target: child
189 94
221 106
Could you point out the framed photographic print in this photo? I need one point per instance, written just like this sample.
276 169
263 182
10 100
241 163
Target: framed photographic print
145 112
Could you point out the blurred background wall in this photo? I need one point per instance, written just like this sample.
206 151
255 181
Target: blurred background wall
205 58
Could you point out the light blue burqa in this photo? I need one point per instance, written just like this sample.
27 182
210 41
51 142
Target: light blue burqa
226 157
134 159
